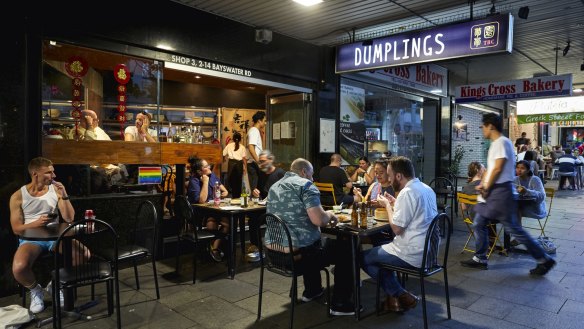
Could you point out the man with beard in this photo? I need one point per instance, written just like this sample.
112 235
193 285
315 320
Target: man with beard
269 174
410 215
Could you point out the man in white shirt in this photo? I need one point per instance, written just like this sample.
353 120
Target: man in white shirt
90 130
141 131
255 147
410 215
500 200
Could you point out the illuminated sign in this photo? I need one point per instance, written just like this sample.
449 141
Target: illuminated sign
486 36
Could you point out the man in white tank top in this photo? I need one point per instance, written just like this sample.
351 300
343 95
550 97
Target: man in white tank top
29 207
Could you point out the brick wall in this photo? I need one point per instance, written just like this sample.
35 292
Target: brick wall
474 144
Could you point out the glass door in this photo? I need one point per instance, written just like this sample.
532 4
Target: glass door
287 134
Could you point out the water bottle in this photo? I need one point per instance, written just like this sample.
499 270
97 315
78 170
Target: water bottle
216 194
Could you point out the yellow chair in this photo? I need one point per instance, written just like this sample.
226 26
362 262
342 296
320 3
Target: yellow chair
549 193
328 188
466 202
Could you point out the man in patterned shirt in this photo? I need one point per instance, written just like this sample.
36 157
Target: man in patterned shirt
296 200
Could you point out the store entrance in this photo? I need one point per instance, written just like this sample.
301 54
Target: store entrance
288 114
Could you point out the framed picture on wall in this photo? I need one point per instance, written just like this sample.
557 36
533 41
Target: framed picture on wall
327 136
460 131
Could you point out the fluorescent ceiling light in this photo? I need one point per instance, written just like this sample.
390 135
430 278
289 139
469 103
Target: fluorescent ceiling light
577 90
165 47
308 3
436 91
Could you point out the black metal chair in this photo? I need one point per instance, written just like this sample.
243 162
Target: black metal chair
141 242
445 195
432 263
190 229
279 259
73 270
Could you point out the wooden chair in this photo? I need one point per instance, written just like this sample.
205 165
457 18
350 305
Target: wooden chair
466 202
432 263
280 260
327 188
549 193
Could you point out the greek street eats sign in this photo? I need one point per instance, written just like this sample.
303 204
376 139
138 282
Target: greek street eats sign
551 109
486 36
555 85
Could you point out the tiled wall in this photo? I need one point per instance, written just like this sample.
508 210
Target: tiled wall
475 145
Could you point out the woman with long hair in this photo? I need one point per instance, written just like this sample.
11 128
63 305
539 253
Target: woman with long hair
235 155
378 188
200 190
531 192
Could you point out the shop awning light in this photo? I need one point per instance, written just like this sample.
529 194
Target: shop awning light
308 3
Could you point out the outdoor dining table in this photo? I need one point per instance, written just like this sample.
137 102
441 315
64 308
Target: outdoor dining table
233 212
356 234
52 233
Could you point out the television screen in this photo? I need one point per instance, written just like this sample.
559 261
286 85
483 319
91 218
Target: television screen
149 175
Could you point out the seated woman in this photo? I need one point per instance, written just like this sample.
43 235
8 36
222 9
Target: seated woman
380 187
475 174
364 173
200 190
529 187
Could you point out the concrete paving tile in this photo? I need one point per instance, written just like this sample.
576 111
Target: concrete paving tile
251 322
152 314
536 318
492 307
229 290
212 312
572 306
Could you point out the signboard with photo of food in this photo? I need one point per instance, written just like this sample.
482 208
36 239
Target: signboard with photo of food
352 123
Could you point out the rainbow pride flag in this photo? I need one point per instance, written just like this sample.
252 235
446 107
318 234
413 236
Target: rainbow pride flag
149 175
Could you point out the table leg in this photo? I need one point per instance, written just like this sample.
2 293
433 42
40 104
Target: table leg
232 237
356 276
241 221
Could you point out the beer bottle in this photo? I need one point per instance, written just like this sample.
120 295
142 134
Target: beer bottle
355 215
363 215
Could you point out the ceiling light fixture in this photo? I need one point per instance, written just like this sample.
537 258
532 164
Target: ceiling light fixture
493 11
197 76
577 90
566 49
308 3
164 47
523 12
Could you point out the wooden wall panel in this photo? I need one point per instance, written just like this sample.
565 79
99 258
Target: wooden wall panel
100 152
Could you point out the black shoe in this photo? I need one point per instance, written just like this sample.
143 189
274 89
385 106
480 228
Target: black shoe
542 269
474 264
344 309
217 255
307 299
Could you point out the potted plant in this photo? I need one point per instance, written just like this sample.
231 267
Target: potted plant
454 167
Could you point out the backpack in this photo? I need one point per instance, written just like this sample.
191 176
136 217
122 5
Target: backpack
13 316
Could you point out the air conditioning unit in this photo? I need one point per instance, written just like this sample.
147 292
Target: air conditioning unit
263 36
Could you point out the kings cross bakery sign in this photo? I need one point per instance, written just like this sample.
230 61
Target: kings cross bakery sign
549 86
487 36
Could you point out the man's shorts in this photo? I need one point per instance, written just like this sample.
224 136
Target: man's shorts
45 246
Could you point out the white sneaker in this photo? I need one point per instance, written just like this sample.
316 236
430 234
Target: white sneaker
37 304
49 290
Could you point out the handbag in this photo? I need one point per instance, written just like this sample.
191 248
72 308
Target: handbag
547 244
13 316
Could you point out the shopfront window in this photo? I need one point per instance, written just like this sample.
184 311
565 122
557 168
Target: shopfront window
115 88
375 120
